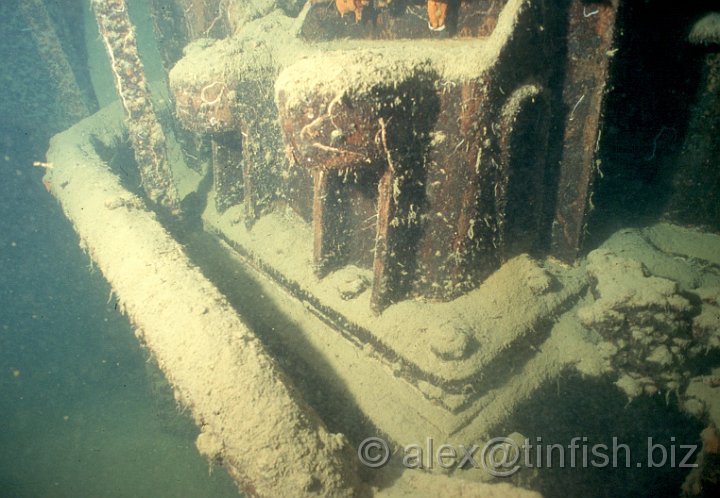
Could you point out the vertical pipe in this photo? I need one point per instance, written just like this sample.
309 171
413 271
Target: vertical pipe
146 134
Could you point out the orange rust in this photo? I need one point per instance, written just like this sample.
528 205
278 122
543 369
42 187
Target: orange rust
436 14
207 109
356 6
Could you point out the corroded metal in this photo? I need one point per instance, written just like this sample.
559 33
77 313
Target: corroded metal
590 44
327 222
209 107
382 263
520 192
146 134
398 19
248 179
696 197
171 29
431 181
227 174
212 109
454 162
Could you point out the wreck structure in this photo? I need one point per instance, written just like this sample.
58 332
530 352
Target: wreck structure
423 160
412 180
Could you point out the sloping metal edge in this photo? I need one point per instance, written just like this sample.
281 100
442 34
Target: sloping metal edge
250 416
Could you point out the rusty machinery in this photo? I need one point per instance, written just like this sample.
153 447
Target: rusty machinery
389 168
452 169
390 164
381 169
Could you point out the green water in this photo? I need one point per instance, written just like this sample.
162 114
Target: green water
85 413
82 411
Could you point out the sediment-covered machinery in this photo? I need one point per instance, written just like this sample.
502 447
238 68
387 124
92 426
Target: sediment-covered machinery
408 184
